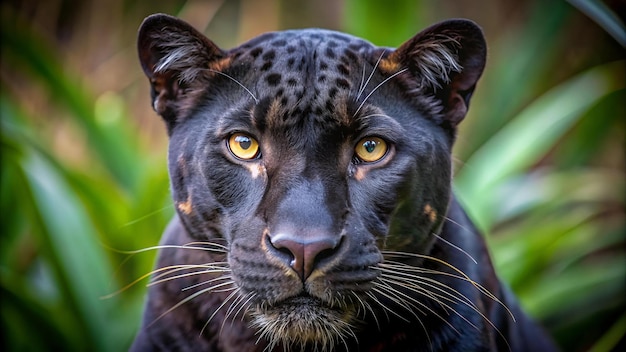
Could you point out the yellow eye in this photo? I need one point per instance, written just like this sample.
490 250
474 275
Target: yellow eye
371 149
243 146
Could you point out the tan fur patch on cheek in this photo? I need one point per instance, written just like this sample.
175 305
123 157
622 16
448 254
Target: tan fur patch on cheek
359 174
186 206
256 170
430 212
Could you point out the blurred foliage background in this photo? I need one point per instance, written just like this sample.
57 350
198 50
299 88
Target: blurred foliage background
540 158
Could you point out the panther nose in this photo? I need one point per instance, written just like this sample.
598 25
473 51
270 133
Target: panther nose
304 255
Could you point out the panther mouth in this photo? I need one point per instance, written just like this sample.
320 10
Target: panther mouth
303 320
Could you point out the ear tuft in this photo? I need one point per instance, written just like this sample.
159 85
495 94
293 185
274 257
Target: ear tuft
173 55
435 61
166 43
443 61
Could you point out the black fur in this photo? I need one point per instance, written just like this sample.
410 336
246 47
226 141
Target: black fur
312 234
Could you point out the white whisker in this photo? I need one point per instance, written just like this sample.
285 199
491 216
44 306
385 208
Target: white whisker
180 276
362 89
219 249
376 88
224 277
455 247
386 309
409 277
236 81
187 299
240 300
436 298
462 276
230 296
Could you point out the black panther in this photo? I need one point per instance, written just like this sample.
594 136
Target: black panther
311 173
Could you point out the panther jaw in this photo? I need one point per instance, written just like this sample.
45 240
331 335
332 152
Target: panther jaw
303 321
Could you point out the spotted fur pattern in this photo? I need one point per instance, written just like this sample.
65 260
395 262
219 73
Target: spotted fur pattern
307 245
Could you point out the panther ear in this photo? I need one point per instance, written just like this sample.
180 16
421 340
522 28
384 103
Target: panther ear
445 61
173 55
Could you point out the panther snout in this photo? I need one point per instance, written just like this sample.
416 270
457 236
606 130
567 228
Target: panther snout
303 255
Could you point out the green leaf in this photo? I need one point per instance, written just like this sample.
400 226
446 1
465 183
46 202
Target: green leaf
71 241
520 65
602 15
384 23
29 53
529 136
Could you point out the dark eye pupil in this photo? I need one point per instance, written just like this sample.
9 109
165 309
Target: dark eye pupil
244 142
370 146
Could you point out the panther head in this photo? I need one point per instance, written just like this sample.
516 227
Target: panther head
311 156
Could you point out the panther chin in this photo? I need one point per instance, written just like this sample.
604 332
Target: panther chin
302 321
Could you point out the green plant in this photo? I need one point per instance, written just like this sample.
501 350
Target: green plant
62 222
540 166
542 172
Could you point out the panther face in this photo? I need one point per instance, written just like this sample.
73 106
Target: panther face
311 158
